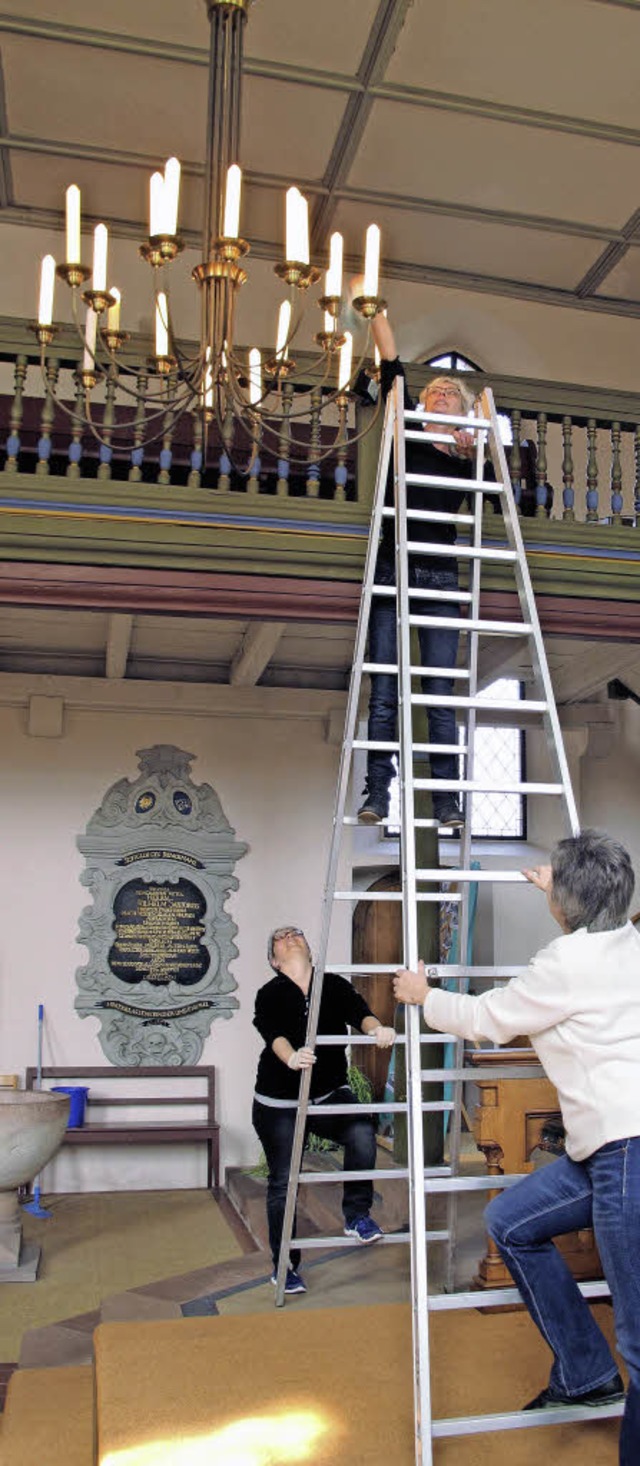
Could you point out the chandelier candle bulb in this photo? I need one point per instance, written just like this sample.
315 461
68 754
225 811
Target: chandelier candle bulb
47 279
113 313
297 241
329 323
333 283
72 199
255 376
90 331
344 369
156 204
231 227
371 261
100 243
162 328
171 194
284 322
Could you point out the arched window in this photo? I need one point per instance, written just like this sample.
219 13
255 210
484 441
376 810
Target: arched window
452 361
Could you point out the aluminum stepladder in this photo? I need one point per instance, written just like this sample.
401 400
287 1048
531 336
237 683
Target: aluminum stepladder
420 884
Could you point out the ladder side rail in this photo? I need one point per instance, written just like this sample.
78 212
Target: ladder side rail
455 1125
419 1288
530 612
334 853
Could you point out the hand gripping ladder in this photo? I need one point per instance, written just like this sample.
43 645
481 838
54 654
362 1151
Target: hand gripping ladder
420 885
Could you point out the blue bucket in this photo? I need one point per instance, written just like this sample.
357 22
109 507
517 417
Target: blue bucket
78 1096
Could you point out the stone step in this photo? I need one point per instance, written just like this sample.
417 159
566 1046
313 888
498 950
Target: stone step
48 1418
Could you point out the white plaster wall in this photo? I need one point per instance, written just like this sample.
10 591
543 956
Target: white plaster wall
275 777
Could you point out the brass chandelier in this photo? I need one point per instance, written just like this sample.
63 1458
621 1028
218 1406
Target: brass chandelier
219 383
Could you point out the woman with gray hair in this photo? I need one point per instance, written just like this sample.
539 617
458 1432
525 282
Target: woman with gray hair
454 458
579 1001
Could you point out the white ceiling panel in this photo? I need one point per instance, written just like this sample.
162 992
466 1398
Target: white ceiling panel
328 37
107 192
471 245
439 155
133 103
162 21
288 130
577 58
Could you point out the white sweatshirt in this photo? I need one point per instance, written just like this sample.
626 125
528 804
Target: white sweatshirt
579 1001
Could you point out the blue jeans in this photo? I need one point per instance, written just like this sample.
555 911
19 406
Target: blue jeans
602 1192
356 1133
438 648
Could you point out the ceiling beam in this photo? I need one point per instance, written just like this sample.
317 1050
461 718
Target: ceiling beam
119 633
610 257
389 21
504 657
255 652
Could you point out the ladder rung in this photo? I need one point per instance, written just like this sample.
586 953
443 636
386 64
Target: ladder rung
434 516
378 1107
435 970
316 1178
419 824
392 895
341 1241
484 704
419 594
471 424
464 485
457 674
461 552
480 786
501 1071
488 628
382 747
437 1184
489 1297
450 873
522 1419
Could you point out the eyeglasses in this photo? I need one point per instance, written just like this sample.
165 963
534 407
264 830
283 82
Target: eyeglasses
444 392
286 931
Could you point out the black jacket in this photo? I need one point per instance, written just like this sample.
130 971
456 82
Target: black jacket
281 1012
428 459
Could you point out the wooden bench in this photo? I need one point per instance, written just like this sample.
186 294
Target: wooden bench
139 1132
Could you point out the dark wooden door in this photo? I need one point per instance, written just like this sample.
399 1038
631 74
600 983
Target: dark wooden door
377 937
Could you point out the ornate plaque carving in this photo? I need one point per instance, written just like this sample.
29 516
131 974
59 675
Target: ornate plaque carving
160 856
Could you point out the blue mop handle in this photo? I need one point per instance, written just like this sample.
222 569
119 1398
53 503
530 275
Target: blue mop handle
40 1023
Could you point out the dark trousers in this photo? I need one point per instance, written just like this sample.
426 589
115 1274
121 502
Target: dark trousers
356 1133
438 648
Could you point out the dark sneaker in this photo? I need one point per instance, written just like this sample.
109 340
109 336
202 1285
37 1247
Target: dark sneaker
448 814
606 1394
374 809
365 1229
293 1284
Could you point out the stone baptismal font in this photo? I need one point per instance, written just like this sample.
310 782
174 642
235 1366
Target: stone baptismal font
32 1125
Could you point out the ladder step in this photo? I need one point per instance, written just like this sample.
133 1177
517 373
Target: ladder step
394 1107
522 1419
461 552
501 1071
390 1238
394 747
471 424
480 786
457 674
418 594
433 970
451 873
393 895
466 485
485 704
487 628
437 1184
489 1297
434 516
317 1178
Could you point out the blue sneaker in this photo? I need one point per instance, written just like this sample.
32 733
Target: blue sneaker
293 1284
365 1229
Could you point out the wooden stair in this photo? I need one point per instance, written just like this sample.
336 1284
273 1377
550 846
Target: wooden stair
49 1418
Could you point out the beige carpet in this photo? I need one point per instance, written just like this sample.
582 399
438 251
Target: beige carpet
331 1387
106 1242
